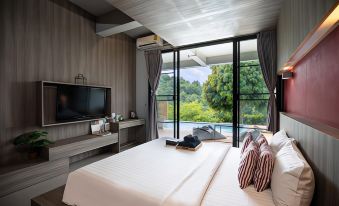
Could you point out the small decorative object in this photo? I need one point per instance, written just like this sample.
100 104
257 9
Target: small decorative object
113 117
100 127
133 115
35 141
80 79
121 118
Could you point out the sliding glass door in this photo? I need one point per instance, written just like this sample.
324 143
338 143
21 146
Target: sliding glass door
166 97
217 86
253 94
206 87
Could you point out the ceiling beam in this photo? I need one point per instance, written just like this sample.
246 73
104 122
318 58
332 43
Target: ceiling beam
221 59
197 57
115 29
114 22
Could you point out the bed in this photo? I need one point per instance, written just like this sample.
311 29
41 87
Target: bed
155 174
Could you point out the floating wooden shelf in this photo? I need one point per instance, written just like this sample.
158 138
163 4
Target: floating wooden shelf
127 124
77 145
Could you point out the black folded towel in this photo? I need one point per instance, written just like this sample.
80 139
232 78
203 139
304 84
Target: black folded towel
190 141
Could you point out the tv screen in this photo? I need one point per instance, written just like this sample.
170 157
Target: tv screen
80 102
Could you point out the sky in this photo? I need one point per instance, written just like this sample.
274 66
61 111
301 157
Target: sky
196 73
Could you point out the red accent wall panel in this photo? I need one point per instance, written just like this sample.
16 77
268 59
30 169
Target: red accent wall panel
313 92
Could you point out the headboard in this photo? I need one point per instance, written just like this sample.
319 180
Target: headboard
320 145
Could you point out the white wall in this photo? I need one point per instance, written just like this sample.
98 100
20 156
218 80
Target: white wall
141 86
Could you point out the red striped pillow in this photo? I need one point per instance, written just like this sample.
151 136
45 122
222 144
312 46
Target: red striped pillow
264 169
248 139
261 140
247 165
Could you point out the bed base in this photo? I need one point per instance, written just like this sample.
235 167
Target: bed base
51 198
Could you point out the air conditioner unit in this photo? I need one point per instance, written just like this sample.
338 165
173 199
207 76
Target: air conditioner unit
149 42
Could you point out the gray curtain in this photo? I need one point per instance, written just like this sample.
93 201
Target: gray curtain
153 66
267 51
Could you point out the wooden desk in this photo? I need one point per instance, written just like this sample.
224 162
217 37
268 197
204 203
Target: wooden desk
132 132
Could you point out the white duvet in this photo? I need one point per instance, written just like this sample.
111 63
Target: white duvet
150 174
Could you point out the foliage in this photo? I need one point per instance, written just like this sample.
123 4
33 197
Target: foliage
217 90
212 101
34 139
196 112
165 85
189 92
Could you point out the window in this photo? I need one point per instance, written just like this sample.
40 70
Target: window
220 85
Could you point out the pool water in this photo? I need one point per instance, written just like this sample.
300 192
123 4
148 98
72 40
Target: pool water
225 127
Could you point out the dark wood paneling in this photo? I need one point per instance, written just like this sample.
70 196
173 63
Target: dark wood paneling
54 41
320 145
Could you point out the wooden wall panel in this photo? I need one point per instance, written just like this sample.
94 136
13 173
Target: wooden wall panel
55 40
319 144
297 18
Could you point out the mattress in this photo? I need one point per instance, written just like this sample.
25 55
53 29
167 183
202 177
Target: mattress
149 174
155 174
224 188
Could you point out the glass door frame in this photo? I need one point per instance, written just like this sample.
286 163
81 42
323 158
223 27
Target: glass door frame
236 86
173 96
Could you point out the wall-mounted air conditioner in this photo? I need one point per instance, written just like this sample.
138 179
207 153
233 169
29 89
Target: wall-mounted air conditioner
149 42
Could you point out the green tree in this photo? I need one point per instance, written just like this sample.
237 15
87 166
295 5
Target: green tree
165 85
217 91
212 101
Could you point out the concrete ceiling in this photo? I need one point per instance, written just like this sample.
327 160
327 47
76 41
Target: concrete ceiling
94 7
110 19
187 22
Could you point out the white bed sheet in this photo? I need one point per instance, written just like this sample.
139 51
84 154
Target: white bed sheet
224 189
150 174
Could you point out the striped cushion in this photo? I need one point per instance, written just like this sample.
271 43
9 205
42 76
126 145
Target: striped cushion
264 169
247 165
261 140
248 139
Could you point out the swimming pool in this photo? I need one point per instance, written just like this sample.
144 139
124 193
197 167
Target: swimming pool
225 127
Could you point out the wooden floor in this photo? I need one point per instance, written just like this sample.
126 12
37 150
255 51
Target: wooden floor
51 198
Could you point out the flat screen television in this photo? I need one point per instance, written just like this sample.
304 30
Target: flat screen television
75 103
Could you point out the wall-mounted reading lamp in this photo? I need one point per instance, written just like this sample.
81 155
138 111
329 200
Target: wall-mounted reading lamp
287 72
287 75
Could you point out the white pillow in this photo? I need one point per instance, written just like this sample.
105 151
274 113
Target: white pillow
278 140
292 180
